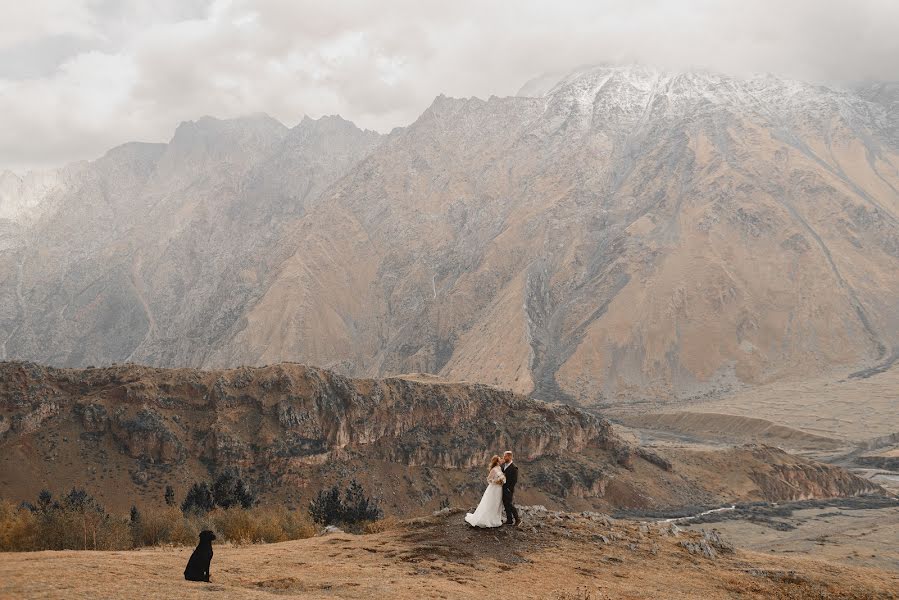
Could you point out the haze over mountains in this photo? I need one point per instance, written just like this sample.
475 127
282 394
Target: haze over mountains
620 232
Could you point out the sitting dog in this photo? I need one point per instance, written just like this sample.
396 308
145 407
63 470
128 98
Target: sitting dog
198 566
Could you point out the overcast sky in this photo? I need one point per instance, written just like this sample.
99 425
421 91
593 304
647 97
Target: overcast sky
78 77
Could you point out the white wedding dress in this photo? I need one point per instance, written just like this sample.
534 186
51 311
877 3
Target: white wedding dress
489 512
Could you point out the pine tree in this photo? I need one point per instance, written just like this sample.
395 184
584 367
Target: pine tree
229 489
199 499
330 507
326 508
358 507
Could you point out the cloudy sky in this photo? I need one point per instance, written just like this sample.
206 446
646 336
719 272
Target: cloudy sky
80 76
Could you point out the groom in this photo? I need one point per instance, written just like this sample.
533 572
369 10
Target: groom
510 470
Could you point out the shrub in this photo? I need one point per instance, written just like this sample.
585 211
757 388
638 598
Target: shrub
234 524
278 524
186 529
78 522
163 526
380 525
114 534
18 528
169 496
270 524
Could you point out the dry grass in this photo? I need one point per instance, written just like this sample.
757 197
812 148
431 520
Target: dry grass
442 558
24 530
380 526
269 524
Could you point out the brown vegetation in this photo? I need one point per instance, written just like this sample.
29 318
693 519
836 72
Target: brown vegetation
22 529
554 555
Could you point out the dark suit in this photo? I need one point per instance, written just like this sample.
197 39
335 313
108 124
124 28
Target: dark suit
510 470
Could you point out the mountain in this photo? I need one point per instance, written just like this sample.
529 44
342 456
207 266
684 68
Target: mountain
126 432
157 249
629 233
24 199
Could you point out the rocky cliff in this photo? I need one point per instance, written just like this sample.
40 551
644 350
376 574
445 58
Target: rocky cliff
127 431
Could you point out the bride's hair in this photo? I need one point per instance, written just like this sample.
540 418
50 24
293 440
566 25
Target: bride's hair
494 461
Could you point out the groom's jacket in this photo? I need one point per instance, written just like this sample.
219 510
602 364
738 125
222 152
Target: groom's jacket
511 474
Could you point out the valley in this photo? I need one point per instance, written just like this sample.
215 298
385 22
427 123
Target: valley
668 292
852 422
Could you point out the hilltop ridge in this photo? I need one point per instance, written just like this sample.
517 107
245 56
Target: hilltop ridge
125 432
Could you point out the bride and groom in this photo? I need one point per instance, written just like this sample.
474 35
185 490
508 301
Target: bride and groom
499 495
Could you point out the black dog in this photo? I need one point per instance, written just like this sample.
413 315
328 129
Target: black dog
198 566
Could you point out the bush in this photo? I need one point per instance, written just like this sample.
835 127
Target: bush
379 526
164 526
18 528
353 509
259 525
75 523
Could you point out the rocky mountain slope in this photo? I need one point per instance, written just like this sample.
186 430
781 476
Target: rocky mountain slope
157 249
628 233
126 432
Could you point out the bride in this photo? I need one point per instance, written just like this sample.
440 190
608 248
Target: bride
489 512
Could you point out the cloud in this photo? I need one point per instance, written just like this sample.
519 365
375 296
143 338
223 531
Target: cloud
37 19
80 76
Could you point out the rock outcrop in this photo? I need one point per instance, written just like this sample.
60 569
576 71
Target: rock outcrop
788 478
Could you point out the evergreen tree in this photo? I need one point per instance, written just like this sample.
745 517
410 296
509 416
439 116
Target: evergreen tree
199 499
326 508
358 507
230 490
330 507
44 500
